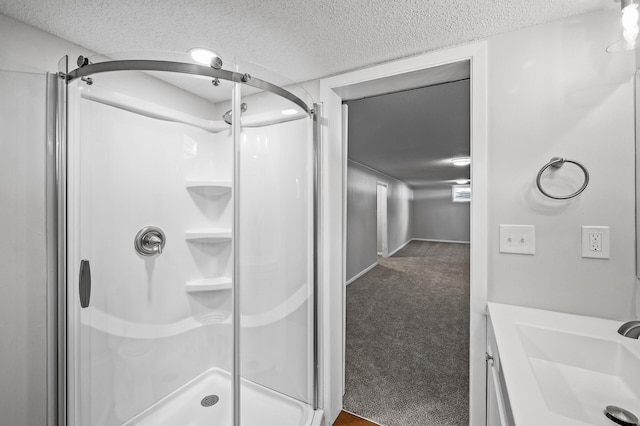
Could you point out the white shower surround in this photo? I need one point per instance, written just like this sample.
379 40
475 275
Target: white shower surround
260 405
149 331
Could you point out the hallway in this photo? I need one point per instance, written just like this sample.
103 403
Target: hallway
407 338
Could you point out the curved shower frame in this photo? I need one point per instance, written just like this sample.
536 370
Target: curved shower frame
84 71
185 68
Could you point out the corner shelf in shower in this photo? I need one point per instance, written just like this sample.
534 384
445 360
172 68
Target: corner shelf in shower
213 187
209 235
209 284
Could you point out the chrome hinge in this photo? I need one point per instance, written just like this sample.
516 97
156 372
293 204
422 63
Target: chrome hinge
488 358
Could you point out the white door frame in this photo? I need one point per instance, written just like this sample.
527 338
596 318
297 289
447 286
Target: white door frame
332 190
384 250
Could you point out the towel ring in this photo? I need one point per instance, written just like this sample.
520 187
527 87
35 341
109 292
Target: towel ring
556 163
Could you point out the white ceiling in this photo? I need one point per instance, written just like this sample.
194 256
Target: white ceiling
412 135
303 40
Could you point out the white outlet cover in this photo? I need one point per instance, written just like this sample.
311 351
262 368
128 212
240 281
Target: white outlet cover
518 239
586 244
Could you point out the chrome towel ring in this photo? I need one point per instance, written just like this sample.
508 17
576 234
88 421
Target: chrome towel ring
556 163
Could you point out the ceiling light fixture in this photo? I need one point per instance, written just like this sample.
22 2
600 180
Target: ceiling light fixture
630 26
462 181
461 161
206 57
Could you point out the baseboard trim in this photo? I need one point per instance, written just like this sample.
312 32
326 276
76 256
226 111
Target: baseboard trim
373 265
440 241
399 248
361 273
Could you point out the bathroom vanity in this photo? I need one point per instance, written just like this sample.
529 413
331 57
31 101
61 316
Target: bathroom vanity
556 369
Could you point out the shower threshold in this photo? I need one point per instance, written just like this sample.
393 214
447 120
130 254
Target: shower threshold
259 406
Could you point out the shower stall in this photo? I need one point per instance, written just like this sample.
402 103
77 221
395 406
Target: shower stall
186 244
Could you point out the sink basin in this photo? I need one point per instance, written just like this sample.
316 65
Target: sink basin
578 375
562 369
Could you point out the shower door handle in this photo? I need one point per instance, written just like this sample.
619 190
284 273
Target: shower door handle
84 283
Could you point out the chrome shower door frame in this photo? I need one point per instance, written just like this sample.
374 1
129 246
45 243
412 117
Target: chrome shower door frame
57 215
58 207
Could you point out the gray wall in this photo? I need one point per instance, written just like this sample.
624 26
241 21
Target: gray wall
23 355
555 91
23 261
381 204
362 217
436 217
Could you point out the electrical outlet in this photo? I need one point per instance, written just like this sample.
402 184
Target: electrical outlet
595 242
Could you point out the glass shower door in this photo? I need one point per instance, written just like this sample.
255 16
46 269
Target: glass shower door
150 255
190 247
275 257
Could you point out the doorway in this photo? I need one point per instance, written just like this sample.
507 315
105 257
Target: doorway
382 244
401 348
333 177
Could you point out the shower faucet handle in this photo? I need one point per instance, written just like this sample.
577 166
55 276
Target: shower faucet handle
149 241
152 239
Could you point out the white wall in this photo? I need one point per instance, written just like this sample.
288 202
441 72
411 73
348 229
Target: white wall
362 218
637 156
554 91
23 262
436 217
27 49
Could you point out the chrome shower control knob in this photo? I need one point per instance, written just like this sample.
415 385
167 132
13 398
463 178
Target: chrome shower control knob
150 241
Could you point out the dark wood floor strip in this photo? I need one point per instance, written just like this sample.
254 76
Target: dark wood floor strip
348 419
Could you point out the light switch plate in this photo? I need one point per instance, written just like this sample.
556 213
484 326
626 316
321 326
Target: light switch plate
518 239
595 242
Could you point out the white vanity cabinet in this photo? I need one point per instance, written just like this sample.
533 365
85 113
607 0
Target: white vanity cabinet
498 408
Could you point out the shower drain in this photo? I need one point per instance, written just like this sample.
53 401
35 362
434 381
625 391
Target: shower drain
209 400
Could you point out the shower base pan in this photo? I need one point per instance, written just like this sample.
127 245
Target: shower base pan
207 400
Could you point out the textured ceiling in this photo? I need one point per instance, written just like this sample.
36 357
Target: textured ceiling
413 135
303 40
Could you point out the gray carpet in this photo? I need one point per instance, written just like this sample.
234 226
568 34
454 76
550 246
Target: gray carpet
407 351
